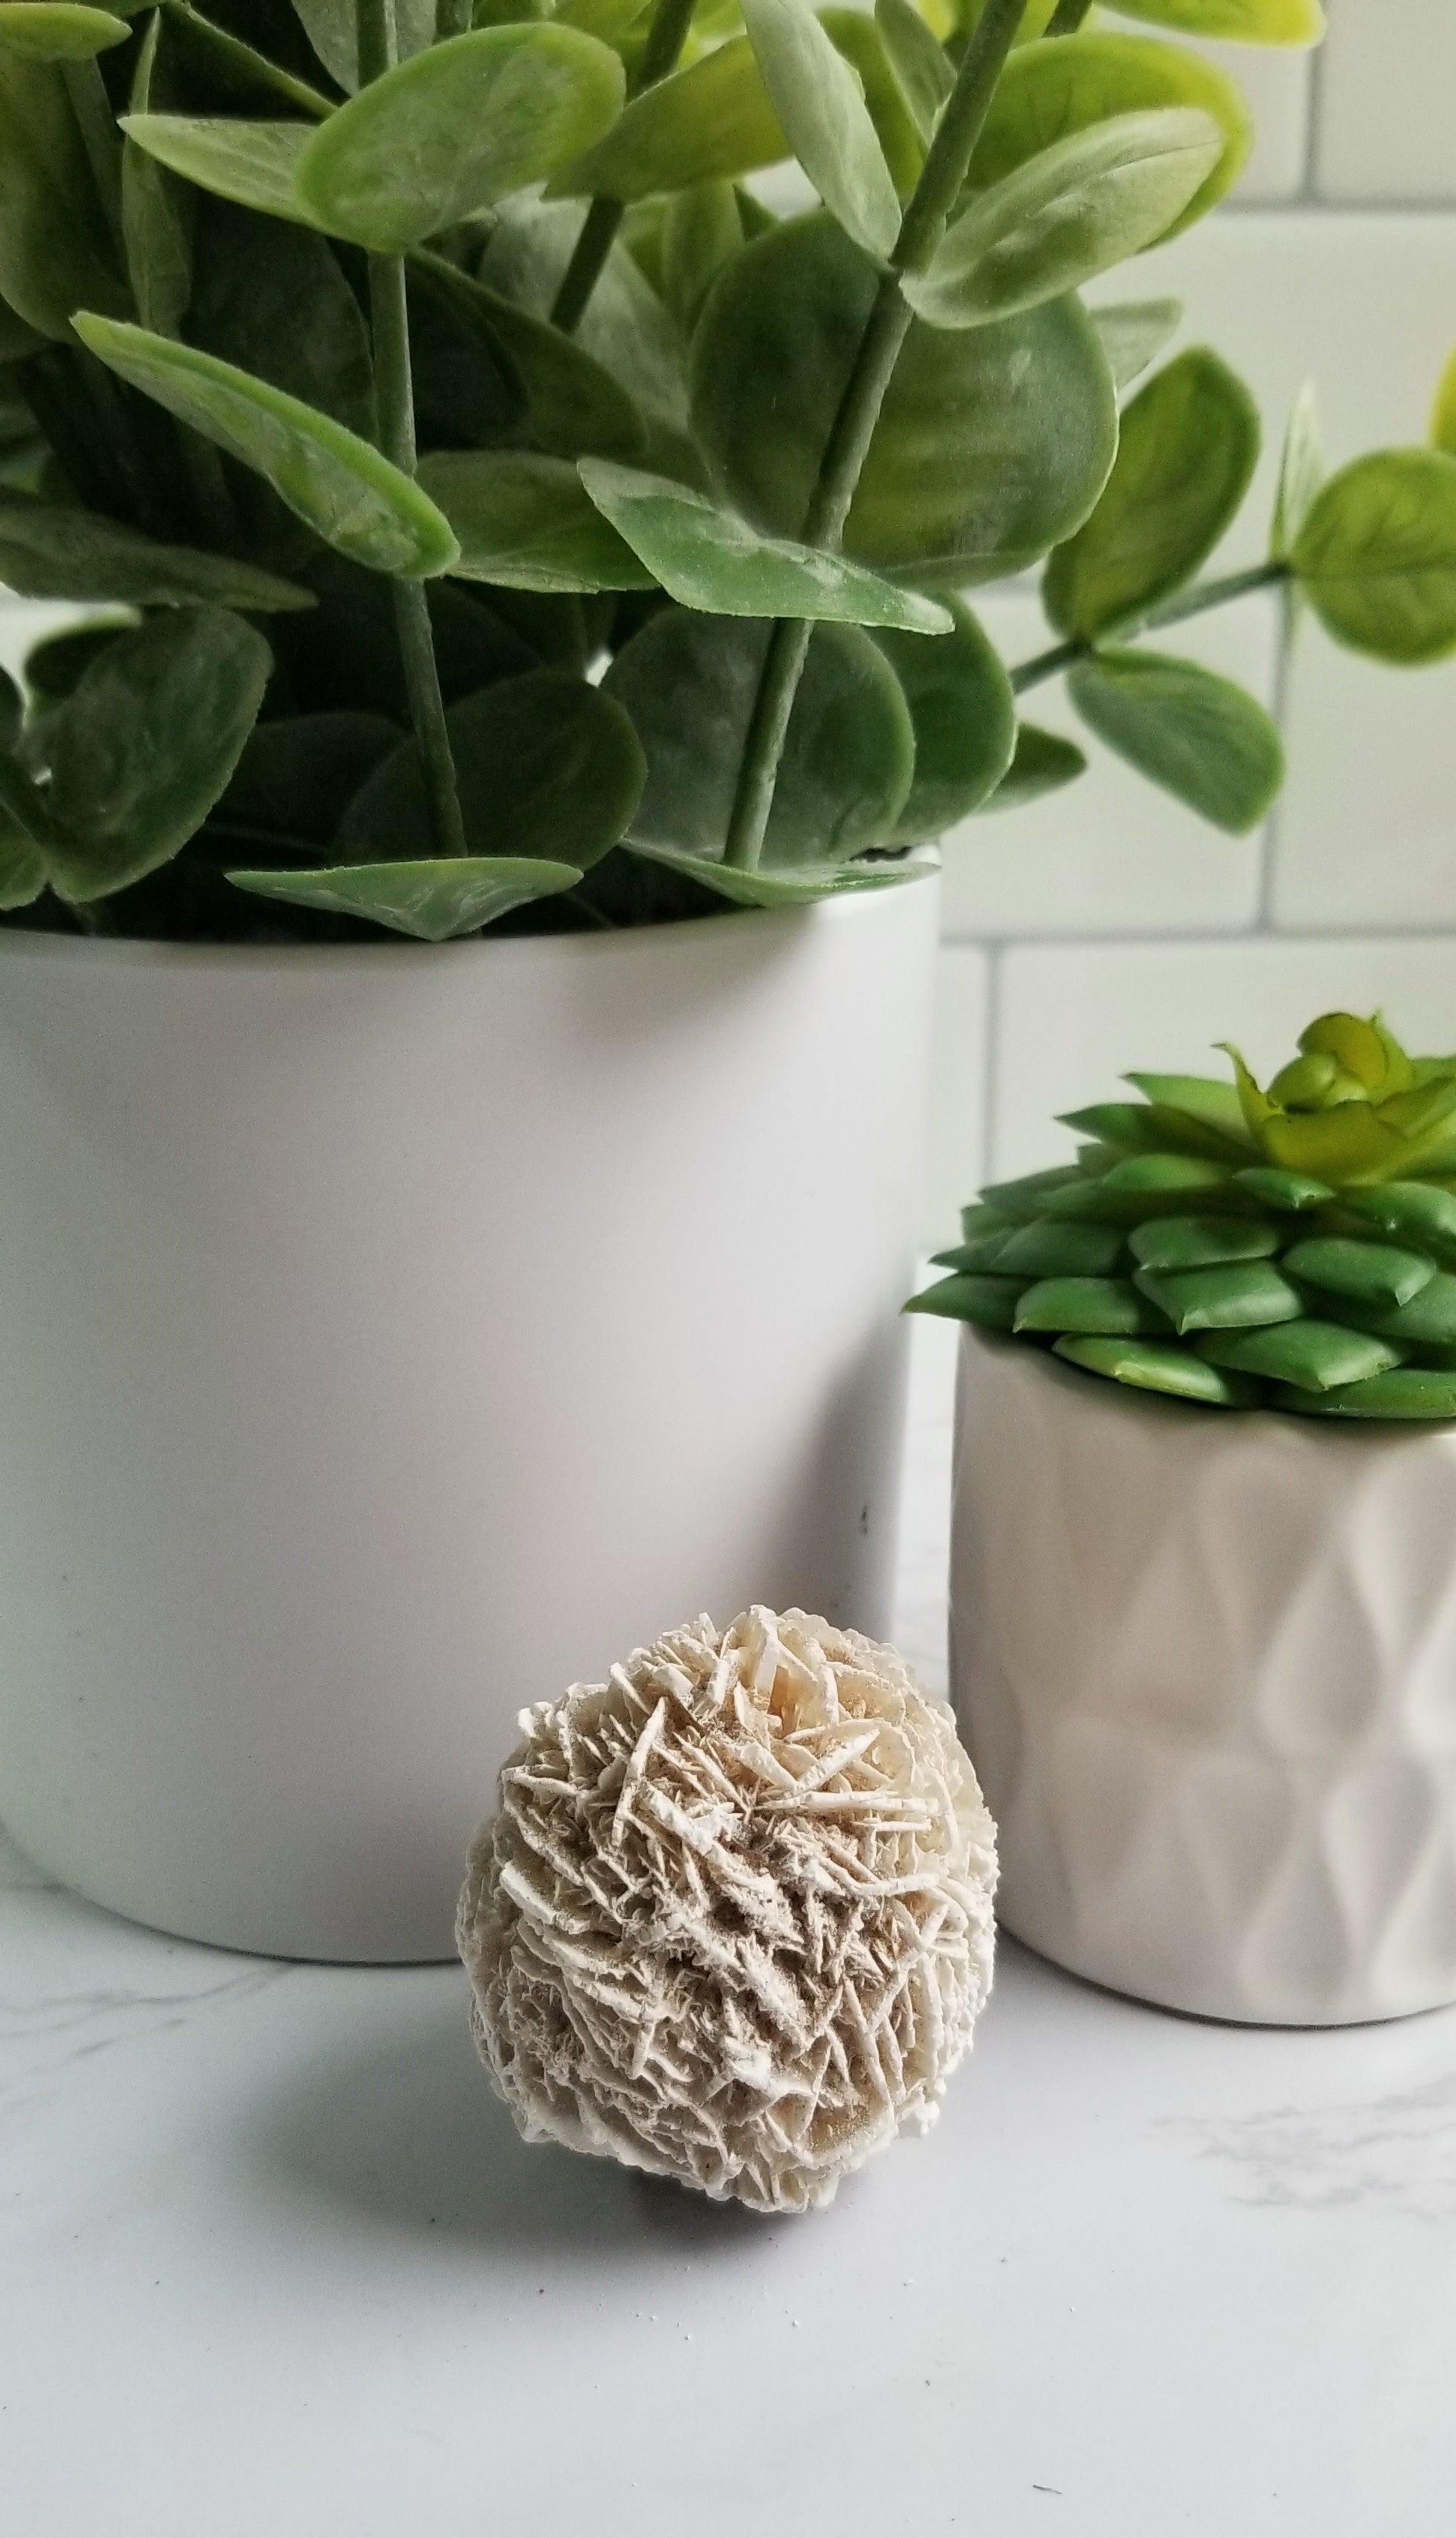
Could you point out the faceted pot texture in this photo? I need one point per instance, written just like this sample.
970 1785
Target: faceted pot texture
1206 1669
390 1336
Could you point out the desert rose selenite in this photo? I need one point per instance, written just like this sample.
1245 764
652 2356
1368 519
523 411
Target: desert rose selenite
732 1922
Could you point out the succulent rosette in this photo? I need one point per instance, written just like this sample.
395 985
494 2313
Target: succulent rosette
1290 1248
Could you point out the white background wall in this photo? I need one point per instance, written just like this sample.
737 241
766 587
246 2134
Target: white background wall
1108 928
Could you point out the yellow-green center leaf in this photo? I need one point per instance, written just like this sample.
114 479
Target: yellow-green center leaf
55 30
1133 332
525 522
431 899
711 559
821 105
252 163
1070 212
456 128
1375 555
347 493
713 119
921 66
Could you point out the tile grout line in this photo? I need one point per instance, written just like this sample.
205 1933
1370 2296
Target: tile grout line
1224 938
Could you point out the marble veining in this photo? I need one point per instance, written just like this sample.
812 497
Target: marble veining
1391 2154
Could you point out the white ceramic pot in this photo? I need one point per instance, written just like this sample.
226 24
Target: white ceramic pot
1206 1666
390 1336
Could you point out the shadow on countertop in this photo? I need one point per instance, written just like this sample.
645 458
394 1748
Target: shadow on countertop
407 2135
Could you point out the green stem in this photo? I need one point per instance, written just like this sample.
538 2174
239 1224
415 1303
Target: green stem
659 55
890 320
1187 603
101 140
390 322
1067 17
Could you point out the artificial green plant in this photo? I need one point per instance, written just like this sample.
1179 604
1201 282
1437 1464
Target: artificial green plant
1293 1248
497 515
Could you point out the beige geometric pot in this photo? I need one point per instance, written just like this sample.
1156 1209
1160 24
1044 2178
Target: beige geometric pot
1205 1663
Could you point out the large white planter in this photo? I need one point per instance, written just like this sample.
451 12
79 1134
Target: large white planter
388 1337
1206 1666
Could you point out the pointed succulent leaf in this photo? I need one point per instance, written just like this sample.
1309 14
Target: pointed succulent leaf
1201 1241
48 551
1051 1250
1295 1191
55 255
146 744
1050 91
433 898
965 718
1367 1273
1187 450
990 1302
1022 1201
1202 1097
1143 1185
56 31
253 163
1316 1356
1411 1210
689 683
1150 1367
455 129
1041 763
527 523
346 490
1110 1305
708 557
1375 555
920 65
1137 1127
1231 1294
545 766
1407 1392
990 444
821 107
1085 204
1202 738
1443 411
1133 332
1235 22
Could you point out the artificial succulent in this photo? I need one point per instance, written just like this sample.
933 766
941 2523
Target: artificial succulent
1289 1248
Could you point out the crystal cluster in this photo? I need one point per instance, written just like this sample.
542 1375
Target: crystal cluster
732 1922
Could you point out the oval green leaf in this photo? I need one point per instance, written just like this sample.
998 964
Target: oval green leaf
1200 737
431 898
48 551
1042 761
527 523
782 885
820 103
124 801
1048 90
252 163
710 559
1189 442
1234 22
332 28
1302 472
1087 203
54 252
990 446
455 129
965 719
156 217
545 766
920 65
713 119
1375 555
689 683
347 493
573 404
54 31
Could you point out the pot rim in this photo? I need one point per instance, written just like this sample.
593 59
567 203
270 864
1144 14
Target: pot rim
1126 1402
144 953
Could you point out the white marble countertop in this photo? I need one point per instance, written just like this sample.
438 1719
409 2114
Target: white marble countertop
274 2262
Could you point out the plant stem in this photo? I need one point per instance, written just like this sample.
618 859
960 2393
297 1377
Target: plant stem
659 55
1067 17
890 320
102 142
390 322
1186 603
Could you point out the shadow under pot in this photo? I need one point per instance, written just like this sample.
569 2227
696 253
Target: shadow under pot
1206 1667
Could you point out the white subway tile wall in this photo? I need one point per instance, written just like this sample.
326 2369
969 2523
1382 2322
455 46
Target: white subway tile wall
1116 929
